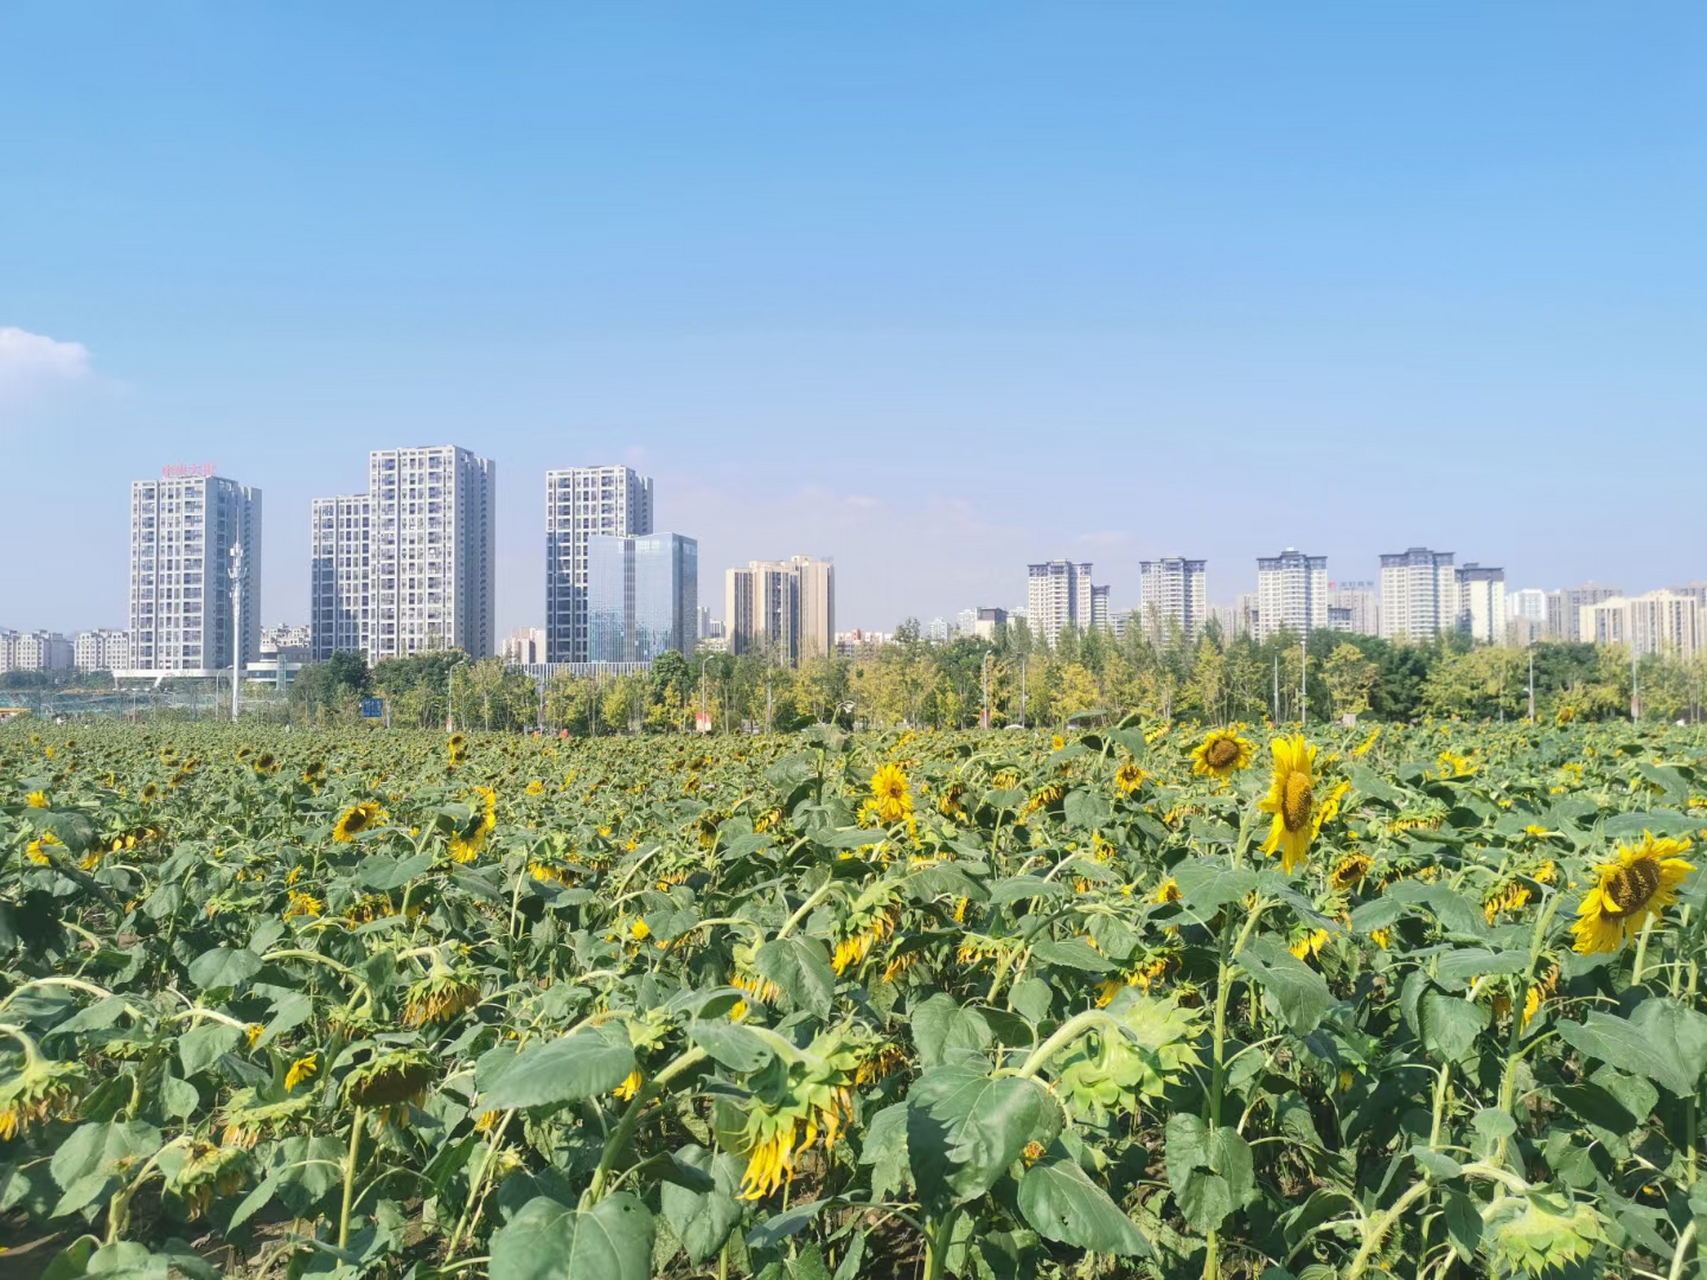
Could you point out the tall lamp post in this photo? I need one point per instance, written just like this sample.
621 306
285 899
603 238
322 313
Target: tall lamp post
239 580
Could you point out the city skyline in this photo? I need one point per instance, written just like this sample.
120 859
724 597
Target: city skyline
836 301
341 535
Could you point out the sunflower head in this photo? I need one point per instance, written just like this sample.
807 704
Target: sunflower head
1221 754
357 819
1350 871
1642 881
890 792
43 1089
391 1079
795 1103
1128 778
1292 801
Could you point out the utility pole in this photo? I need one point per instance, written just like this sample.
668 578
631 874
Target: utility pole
1303 687
239 579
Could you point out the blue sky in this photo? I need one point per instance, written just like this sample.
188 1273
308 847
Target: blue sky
933 289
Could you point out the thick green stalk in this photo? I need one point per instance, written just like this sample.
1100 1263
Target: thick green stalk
349 1179
631 1120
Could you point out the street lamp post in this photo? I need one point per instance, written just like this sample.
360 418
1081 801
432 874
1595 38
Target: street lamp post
986 713
239 579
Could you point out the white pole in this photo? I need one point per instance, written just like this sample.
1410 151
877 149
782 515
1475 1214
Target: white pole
237 576
1303 687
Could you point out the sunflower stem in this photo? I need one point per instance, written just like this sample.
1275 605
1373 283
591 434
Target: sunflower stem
1641 961
818 895
350 1178
631 1121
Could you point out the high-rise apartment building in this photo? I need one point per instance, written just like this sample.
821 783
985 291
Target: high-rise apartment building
434 551
1354 607
340 593
1659 622
1481 603
102 650
1292 594
642 596
1564 609
1529 603
1419 594
408 566
183 527
1059 595
785 608
581 502
1173 588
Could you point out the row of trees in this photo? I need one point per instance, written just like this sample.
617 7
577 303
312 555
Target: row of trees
917 682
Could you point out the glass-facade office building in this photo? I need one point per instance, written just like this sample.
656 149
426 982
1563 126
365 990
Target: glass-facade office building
642 596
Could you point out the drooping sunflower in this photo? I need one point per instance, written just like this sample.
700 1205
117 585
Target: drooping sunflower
889 789
1221 754
357 819
1292 800
1642 881
1128 778
1351 870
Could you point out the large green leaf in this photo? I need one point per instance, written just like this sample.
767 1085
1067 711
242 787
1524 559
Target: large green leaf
1210 1170
702 1220
1071 953
1087 809
1290 987
736 1047
550 1241
965 1127
580 1065
224 967
941 1025
1662 1041
798 966
1063 1204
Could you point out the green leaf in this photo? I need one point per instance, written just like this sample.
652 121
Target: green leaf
1087 810
1031 998
703 1220
1630 826
201 1047
1210 1170
178 1097
1290 987
940 1025
550 1241
798 966
736 1047
787 1223
581 1065
98 1148
964 1128
1074 953
1463 1224
885 1150
1064 1205
1661 1041
1456 913
224 967
1450 1025
1021 888
1207 884
384 874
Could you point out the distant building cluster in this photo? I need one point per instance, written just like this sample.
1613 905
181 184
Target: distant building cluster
409 567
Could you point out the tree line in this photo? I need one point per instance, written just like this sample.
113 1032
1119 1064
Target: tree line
1016 678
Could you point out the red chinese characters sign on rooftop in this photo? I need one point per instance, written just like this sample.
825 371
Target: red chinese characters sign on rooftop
187 471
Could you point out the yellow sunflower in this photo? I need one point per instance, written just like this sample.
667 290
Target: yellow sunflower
1292 800
1643 881
1128 778
357 819
889 789
1222 754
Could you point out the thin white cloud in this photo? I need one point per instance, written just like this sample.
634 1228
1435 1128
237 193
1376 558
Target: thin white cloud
31 362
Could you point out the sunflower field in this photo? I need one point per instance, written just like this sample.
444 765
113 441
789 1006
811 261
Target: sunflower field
1143 1001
